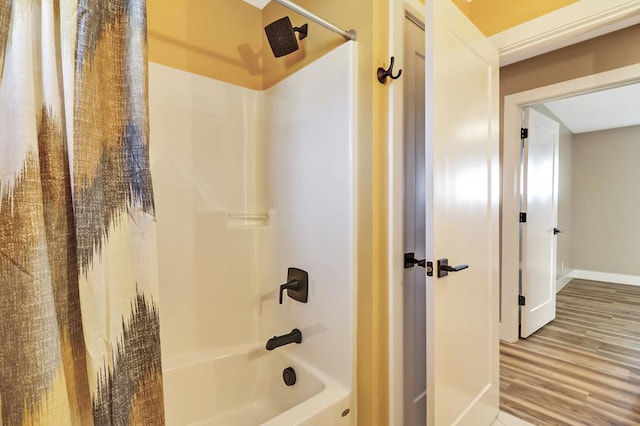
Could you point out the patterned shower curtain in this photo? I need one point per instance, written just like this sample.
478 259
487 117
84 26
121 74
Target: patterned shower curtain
79 334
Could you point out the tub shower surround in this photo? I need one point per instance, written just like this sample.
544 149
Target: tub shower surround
259 182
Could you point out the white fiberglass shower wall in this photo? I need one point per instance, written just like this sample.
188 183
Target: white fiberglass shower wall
249 183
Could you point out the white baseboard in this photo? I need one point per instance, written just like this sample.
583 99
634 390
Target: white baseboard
563 280
605 277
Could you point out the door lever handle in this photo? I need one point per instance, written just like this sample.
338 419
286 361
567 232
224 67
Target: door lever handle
410 261
444 268
557 231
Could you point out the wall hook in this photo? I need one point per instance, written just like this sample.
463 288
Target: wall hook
383 74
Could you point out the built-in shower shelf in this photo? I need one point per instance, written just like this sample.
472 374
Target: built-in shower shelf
247 220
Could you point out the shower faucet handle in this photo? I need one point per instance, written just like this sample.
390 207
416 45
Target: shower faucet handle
297 285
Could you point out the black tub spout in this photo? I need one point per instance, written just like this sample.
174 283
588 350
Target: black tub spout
276 341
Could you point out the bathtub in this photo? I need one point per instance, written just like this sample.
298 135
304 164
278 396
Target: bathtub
244 386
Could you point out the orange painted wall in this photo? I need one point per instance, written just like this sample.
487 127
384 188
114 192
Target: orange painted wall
319 41
494 16
221 39
224 39
464 6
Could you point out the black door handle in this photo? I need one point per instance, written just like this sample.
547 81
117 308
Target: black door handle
557 231
410 261
444 268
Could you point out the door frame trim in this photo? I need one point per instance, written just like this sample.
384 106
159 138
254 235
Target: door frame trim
571 24
511 175
398 10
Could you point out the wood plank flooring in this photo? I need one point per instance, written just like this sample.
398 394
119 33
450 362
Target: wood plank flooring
583 368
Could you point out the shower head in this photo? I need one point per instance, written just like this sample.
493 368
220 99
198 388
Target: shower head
282 36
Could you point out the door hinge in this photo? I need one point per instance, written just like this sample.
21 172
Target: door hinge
521 300
523 217
524 133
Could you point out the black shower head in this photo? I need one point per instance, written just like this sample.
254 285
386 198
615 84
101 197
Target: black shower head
282 36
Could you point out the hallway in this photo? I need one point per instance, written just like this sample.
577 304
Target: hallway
583 368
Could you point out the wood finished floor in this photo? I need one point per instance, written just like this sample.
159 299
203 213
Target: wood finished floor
583 368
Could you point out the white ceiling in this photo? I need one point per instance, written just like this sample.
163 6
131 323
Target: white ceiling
260 4
607 109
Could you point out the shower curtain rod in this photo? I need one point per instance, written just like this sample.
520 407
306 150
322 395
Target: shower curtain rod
349 35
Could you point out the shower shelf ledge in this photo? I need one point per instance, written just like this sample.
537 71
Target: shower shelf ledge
247 220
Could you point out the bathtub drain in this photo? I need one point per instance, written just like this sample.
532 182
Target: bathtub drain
289 376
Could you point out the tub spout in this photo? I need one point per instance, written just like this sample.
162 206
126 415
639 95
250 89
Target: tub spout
276 341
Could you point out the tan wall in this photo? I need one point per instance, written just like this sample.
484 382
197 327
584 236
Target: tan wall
565 202
606 201
600 54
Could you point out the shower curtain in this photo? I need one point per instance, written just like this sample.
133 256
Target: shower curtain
79 333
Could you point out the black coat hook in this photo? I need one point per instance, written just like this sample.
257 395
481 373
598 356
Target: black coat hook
383 74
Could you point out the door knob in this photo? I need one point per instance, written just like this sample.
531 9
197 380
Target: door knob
557 231
444 268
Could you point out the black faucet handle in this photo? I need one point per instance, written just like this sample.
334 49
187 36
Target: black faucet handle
297 285
291 285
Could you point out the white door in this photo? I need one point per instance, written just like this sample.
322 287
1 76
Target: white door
414 278
462 219
538 241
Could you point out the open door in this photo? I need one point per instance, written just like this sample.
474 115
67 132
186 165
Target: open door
414 277
462 175
538 244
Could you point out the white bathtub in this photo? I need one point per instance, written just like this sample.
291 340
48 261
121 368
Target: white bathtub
243 386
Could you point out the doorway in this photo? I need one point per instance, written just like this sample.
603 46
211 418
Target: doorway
564 342
596 133
511 177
